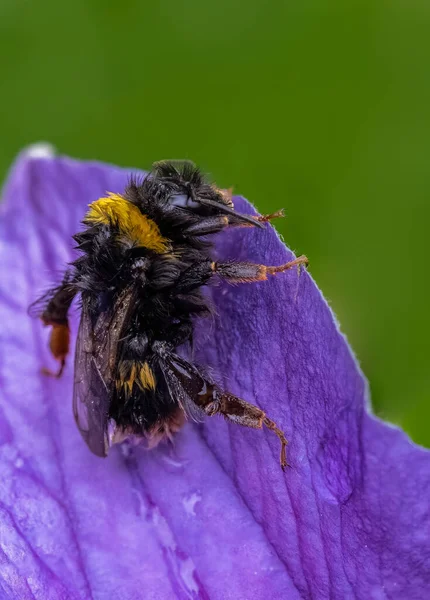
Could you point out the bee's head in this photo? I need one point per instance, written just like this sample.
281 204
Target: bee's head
190 190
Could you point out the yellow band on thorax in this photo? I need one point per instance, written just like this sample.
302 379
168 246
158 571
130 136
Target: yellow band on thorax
118 211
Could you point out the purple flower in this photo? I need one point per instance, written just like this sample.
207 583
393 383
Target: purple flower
213 516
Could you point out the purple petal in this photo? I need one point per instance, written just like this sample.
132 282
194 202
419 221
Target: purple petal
214 517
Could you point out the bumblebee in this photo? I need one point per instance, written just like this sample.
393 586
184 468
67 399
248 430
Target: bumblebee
143 261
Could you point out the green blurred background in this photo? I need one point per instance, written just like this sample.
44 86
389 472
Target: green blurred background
319 107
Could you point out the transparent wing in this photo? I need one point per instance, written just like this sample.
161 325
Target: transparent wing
95 360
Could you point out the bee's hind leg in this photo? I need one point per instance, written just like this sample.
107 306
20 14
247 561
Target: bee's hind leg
54 307
57 374
198 396
243 413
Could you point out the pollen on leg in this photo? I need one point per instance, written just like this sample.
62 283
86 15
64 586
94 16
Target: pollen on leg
59 341
59 345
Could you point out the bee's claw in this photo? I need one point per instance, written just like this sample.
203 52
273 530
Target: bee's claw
49 373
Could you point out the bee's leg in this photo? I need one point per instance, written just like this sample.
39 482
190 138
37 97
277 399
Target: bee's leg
258 219
207 226
243 413
244 272
59 342
236 272
266 218
194 277
214 224
55 316
198 396
50 373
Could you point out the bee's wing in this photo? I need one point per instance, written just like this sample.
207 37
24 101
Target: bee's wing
186 385
95 361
